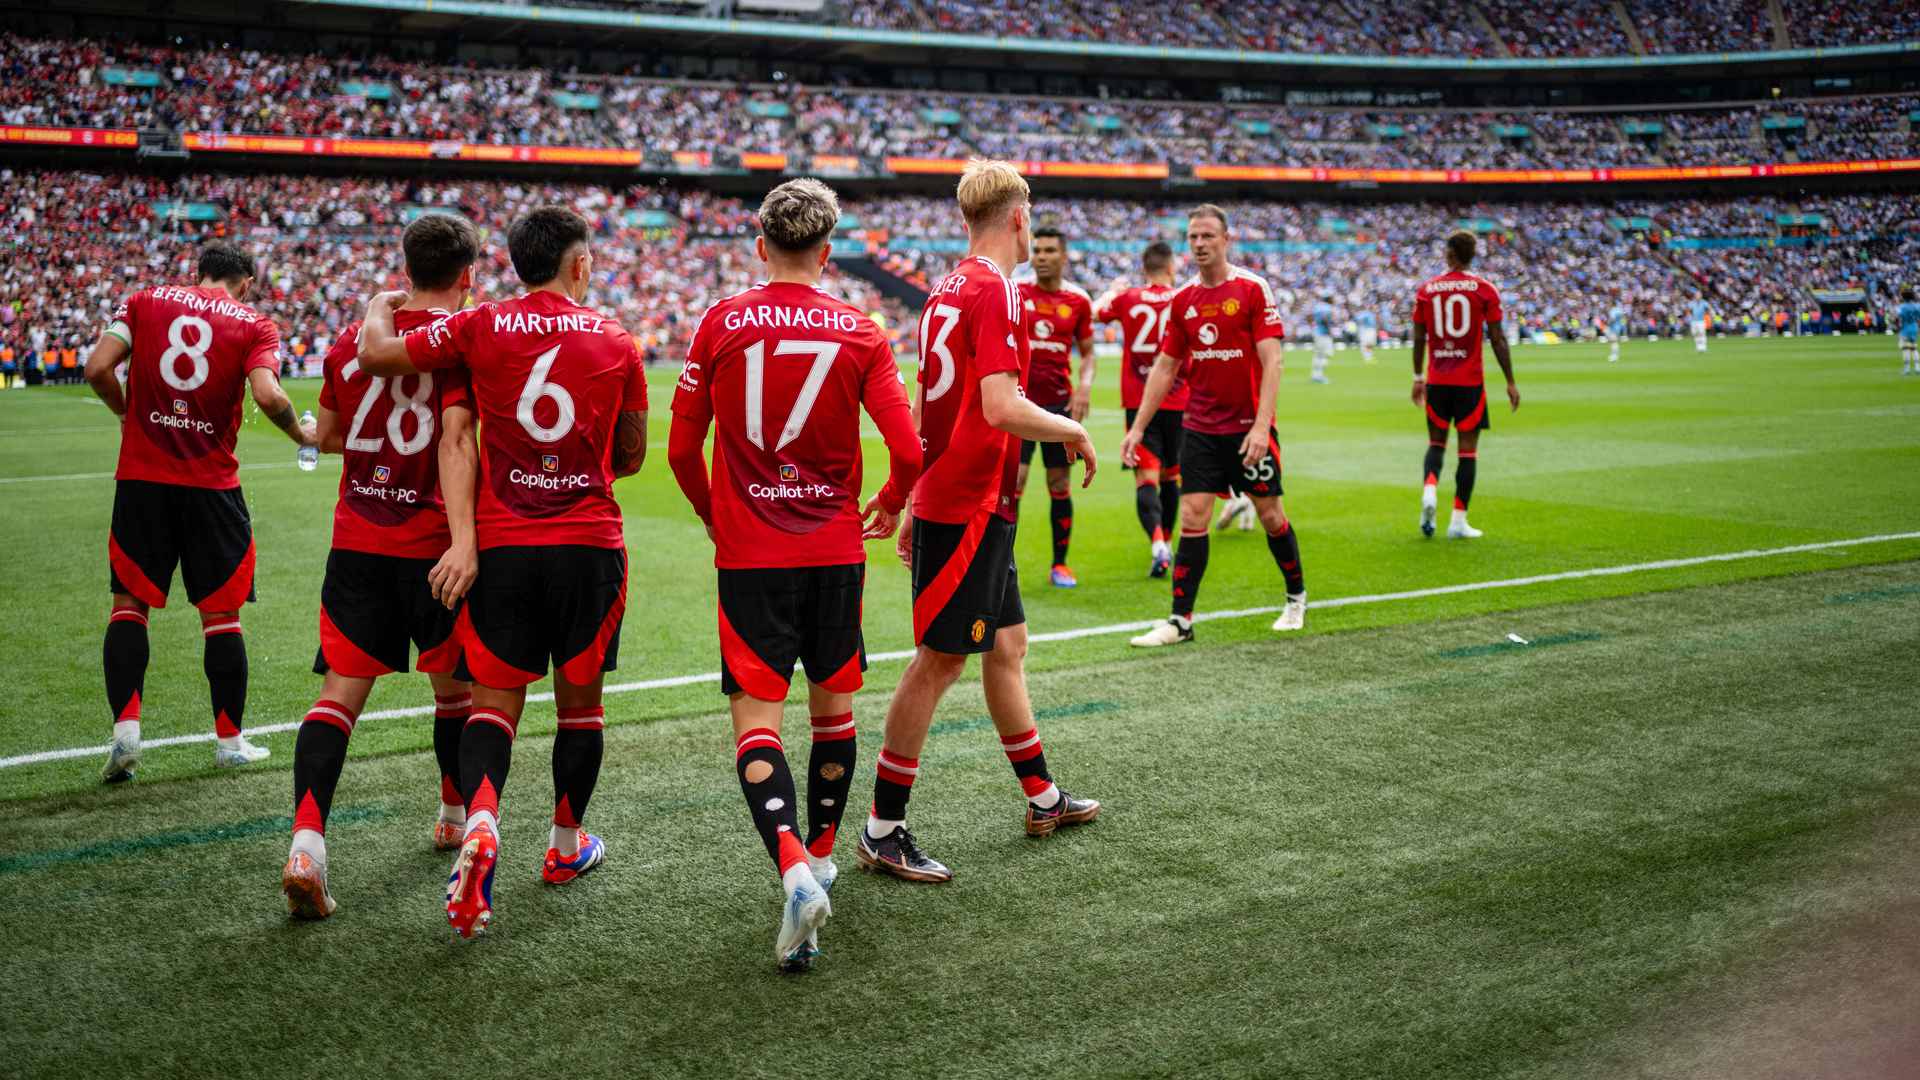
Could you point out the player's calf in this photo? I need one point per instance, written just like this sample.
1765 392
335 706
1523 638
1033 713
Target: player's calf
319 753
124 658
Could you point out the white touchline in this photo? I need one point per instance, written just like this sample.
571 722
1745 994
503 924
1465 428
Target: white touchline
1063 635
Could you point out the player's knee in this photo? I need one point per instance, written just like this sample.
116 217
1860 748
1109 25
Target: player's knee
124 602
941 669
1058 482
1009 649
210 620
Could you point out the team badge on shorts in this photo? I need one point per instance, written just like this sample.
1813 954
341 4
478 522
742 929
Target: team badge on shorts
382 474
979 631
179 407
790 473
550 462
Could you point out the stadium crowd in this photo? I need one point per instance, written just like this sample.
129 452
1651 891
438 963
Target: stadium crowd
1410 28
218 91
82 240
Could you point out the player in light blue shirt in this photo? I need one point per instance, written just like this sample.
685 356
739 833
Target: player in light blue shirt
1697 310
1369 333
1908 315
1322 318
1616 330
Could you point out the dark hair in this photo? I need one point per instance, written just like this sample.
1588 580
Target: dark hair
539 239
1158 256
1462 244
1050 231
437 247
1907 294
223 262
1210 210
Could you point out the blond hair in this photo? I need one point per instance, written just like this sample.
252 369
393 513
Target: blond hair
988 190
799 215
1209 210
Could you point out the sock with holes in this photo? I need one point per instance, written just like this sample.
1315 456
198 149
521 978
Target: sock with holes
124 657
1170 503
1285 547
1029 762
1189 566
577 749
1060 512
449 718
1146 507
767 784
486 750
319 752
1463 475
1435 461
225 661
829 777
892 785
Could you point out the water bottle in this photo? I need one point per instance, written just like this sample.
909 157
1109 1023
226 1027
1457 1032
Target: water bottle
309 456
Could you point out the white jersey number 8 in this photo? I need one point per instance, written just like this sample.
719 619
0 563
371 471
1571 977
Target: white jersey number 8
177 348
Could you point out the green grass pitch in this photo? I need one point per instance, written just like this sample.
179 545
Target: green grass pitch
1401 845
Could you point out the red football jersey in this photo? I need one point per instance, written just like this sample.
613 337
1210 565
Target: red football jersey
781 370
186 381
390 500
1212 331
549 380
1142 314
1056 321
970 329
1455 308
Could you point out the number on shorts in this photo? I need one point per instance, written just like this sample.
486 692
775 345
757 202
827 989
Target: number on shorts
178 347
1452 314
823 353
1152 330
538 387
948 316
1261 472
403 403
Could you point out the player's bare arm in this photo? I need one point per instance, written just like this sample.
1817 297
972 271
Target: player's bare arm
382 351
1420 366
1498 338
273 401
459 565
629 443
1254 446
1007 409
328 433
108 353
1082 401
1159 384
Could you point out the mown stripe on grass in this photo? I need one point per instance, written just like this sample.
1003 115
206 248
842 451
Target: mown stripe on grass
212 834
1495 648
1058 712
1869 595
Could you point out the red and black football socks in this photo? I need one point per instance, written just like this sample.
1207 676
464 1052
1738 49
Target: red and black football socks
450 712
1436 460
829 778
1285 546
1169 502
1463 480
578 747
225 662
1029 761
767 784
124 658
319 752
1060 513
1146 507
1189 566
892 786
486 750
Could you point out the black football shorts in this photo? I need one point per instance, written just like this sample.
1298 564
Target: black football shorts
371 607
562 602
965 586
773 618
1211 463
1462 407
204 531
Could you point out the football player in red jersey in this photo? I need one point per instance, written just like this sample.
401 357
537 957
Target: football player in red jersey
959 537
191 354
1141 311
1058 316
1223 333
398 568
561 399
781 372
1451 314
